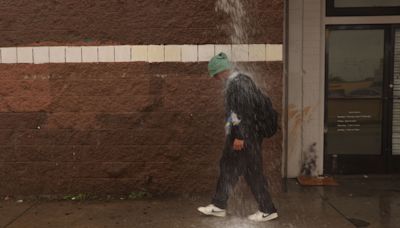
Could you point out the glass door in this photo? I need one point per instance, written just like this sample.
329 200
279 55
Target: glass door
356 99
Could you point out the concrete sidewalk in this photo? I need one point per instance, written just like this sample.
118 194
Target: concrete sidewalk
357 202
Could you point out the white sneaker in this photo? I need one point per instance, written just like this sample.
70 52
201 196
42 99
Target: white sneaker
212 210
262 217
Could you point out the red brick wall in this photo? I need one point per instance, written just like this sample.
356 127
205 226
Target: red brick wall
25 22
114 128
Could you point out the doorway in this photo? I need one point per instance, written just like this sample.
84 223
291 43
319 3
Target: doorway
362 105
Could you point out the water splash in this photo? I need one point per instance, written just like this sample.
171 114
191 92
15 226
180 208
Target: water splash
241 202
309 167
235 222
239 28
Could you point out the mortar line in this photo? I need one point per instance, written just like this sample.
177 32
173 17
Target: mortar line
20 215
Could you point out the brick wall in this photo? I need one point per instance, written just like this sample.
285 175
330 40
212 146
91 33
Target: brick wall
107 128
25 22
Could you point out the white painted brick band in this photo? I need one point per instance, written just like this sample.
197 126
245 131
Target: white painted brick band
173 53
106 54
9 55
57 55
25 55
189 53
122 53
140 53
41 55
73 54
206 52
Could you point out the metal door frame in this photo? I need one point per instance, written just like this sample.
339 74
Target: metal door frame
393 161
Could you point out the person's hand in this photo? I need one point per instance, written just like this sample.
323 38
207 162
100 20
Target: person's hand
238 144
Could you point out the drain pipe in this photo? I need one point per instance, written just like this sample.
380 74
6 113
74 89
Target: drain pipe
285 118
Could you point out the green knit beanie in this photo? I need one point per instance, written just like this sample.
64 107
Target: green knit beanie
218 64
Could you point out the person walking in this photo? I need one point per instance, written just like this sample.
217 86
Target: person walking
245 130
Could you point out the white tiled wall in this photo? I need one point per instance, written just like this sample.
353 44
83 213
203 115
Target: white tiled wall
90 54
106 54
140 53
9 55
24 55
257 52
155 53
206 52
240 52
305 82
41 55
189 53
274 52
57 54
225 48
73 54
122 53
173 53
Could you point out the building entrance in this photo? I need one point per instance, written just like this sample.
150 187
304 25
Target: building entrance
362 99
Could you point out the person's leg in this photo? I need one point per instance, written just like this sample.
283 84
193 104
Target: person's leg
230 170
256 180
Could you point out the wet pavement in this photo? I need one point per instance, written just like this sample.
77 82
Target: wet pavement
357 202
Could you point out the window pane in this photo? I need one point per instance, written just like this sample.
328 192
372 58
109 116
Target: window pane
355 63
354 126
366 3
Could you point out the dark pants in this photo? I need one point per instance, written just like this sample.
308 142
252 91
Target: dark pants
248 163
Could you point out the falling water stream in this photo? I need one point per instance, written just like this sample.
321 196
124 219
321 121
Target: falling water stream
239 21
238 28
241 202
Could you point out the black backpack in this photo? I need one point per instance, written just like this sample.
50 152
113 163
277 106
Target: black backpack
267 118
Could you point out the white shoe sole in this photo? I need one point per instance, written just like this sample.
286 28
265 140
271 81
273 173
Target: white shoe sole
268 218
213 213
